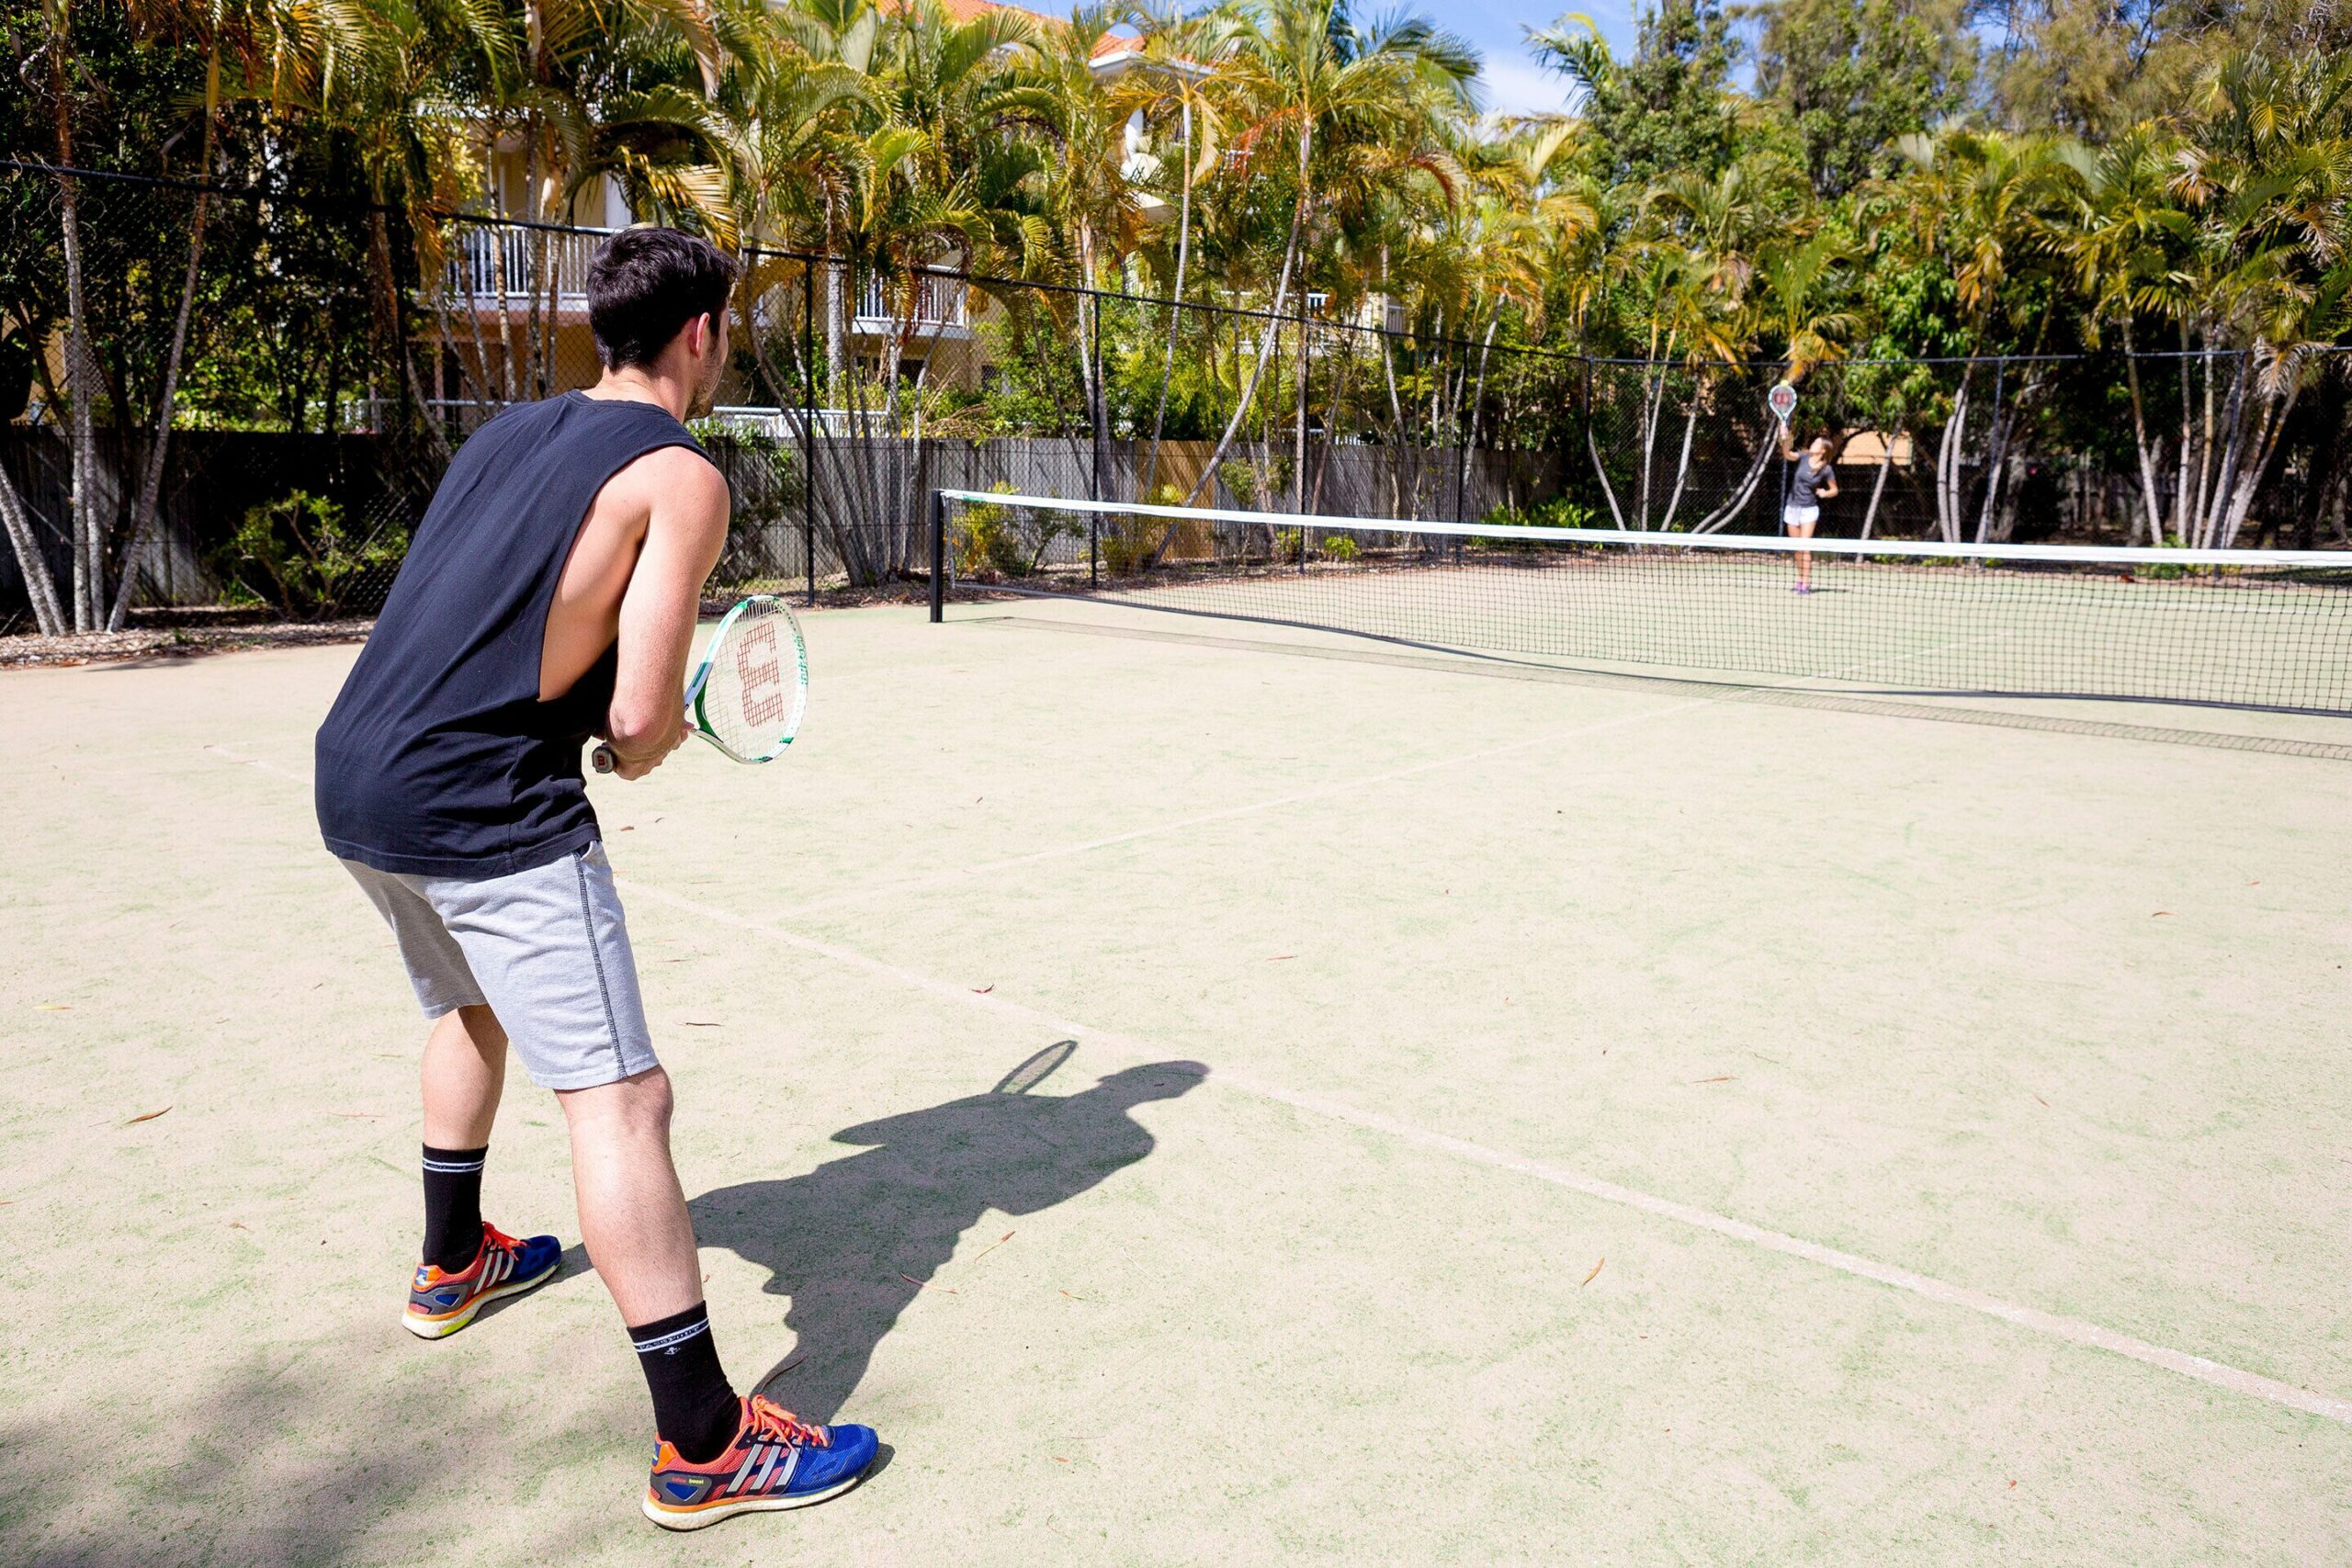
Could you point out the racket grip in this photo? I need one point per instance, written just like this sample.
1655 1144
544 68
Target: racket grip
600 759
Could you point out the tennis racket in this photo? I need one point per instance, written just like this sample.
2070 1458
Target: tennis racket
748 693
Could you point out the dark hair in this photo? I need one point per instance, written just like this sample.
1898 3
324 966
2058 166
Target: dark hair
645 285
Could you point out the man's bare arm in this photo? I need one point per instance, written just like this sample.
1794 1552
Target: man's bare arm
685 529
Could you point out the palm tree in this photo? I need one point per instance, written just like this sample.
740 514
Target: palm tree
1053 92
1179 60
1351 103
2126 238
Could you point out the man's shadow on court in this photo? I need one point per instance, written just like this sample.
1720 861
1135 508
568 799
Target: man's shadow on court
853 1241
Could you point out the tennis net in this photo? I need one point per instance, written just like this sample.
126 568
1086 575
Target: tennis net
2263 628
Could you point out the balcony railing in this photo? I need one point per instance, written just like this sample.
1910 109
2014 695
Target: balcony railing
485 262
939 302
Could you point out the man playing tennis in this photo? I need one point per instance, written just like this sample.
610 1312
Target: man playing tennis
1815 482
549 596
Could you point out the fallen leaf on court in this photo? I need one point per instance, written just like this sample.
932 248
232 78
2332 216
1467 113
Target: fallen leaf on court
2159 914
918 1285
992 1246
1282 957
53 1006
2013 1484
148 1117
629 828
357 1115
1724 1077
699 1023
240 1225
1058 1459
1588 1279
984 990
1074 1298
2043 1101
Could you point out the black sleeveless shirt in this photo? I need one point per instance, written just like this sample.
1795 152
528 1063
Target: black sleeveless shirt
439 759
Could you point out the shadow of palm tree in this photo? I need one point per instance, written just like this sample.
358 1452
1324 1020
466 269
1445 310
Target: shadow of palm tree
852 1240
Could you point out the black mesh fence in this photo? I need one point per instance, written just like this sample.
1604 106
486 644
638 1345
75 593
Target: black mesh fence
311 363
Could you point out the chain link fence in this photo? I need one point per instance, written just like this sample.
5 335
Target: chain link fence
271 383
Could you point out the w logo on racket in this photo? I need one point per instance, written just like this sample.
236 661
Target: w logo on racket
757 667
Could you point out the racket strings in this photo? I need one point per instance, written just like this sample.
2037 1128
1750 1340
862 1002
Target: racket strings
749 702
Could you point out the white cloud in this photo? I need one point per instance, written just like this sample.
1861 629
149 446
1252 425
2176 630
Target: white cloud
1516 85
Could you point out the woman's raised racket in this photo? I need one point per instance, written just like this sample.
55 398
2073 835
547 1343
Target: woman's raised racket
748 693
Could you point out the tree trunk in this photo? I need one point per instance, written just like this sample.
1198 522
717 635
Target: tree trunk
150 485
1149 479
89 557
2139 436
1757 468
1266 341
1878 486
39 586
1948 451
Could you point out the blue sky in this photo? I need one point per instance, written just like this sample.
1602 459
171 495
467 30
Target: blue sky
1514 84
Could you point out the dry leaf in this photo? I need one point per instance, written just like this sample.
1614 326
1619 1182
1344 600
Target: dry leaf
53 1006
992 1246
1588 1279
1074 1298
1725 1078
918 1285
2160 914
699 1023
148 1117
1282 957
356 1115
240 1225
984 990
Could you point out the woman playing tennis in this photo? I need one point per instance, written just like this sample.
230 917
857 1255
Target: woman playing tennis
1815 482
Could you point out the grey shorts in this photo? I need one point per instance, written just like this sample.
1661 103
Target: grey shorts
546 949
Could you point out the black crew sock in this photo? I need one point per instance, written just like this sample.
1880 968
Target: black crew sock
453 1206
695 1407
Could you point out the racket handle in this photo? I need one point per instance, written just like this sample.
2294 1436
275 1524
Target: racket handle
600 759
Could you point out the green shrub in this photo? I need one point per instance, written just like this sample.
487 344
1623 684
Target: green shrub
1129 543
1558 513
296 556
992 540
1338 547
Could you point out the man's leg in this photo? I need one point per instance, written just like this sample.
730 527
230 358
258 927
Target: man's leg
465 1071
633 1221
632 1211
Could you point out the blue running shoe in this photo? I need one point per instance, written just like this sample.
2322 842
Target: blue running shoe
439 1304
777 1461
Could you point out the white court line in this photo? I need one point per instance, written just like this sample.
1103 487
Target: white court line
2057 1326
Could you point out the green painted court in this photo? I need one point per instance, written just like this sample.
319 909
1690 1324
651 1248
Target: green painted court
1520 1113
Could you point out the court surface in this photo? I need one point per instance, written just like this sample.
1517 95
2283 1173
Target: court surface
1516 1115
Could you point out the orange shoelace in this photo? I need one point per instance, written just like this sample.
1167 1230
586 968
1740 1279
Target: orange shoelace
772 1422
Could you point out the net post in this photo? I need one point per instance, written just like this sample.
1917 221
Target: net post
938 556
